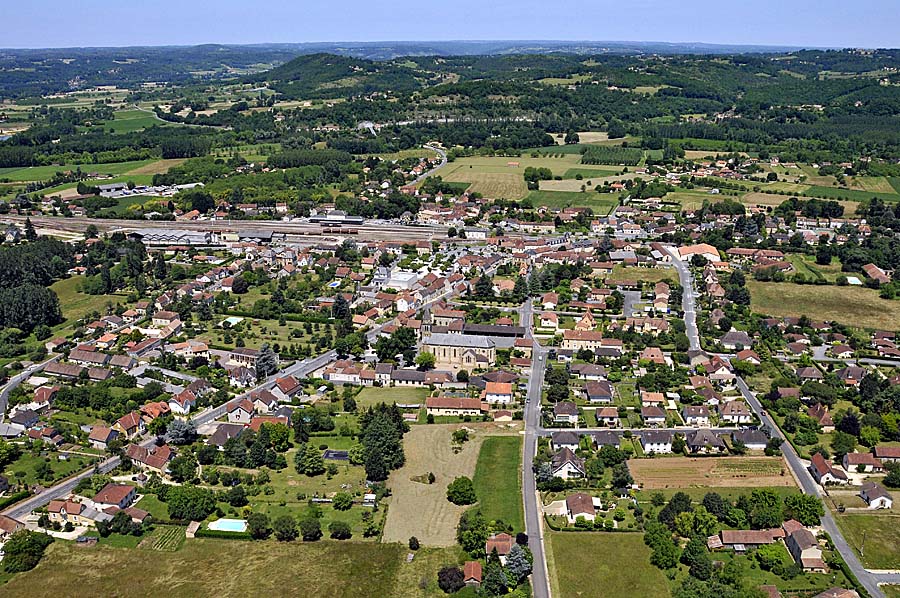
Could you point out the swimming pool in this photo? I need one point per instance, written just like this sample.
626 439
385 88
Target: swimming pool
334 284
229 525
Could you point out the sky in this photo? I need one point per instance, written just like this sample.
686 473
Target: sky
822 23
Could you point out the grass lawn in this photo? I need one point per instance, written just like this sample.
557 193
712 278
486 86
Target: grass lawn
882 536
373 395
213 567
257 332
498 481
892 591
854 306
697 493
577 569
61 469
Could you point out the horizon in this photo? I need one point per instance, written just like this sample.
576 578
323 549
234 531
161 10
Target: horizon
830 24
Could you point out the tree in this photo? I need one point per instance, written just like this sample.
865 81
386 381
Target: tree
310 529
451 579
376 469
425 360
9 452
190 503
181 432
240 285
285 528
413 543
621 477
461 491
183 468
518 564
236 496
24 550
472 532
678 444
340 530
484 287
30 233
494 581
842 443
697 522
342 501
258 525
266 363
766 510
309 461
716 505
805 508
679 503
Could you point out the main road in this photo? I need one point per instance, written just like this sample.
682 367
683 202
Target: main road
868 580
534 527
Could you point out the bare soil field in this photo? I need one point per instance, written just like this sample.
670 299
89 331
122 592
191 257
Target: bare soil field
712 472
420 509
158 167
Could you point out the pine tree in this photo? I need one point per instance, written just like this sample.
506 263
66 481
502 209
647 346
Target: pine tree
267 362
30 233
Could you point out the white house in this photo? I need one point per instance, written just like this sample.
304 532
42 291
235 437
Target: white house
656 441
876 496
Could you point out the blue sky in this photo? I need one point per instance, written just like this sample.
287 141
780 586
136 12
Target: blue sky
832 23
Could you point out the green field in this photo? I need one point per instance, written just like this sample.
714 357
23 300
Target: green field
41 173
582 563
588 172
75 304
600 204
850 194
854 306
129 121
211 567
27 462
498 480
881 535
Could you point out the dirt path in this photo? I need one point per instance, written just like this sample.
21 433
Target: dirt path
422 510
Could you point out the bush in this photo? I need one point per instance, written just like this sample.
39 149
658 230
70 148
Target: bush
451 579
340 530
413 543
310 529
461 491
342 501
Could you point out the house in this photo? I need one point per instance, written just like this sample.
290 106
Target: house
606 438
819 412
223 433
498 392
502 543
287 388
565 412
115 495
25 418
549 320
696 415
240 411
735 412
580 505
241 376
564 464
264 401
472 574
753 440
101 436
704 441
810 373
9 526
887 454
549 301
607 416
152 458
748 356
67 511
805 550
704 250
182 403
653 416
736 339
862 463
130 425
564 440
447 406
599 392
656 441
824 473
652 399
876 496
741 539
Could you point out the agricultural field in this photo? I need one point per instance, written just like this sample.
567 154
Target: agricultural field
854 306
498 483
129 121
421 509
165 538
503 177
373 395
719 472
206 567
806 265
624 570
880 533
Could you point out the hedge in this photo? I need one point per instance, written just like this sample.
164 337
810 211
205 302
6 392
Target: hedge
214 533
14 498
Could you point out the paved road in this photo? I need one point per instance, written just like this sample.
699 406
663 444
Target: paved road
18 379
431 172
540 582
688 300
869 580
